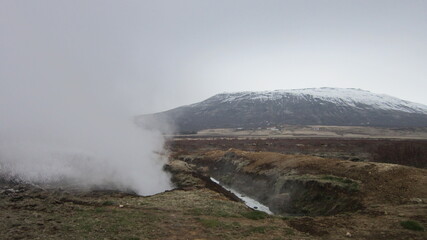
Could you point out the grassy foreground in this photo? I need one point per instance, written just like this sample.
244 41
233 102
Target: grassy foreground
28 213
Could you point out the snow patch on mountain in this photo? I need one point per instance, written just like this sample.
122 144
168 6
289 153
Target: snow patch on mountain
340 96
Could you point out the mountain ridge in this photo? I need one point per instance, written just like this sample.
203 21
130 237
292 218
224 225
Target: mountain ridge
309 106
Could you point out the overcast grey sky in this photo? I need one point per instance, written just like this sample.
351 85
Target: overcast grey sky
158 55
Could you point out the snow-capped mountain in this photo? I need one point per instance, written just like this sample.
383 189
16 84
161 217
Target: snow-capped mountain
311 106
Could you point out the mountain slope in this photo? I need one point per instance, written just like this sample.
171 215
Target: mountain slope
313 106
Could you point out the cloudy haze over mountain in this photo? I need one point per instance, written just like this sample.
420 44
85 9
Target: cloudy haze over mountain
172 53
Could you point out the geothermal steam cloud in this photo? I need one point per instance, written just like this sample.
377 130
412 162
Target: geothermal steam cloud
76 133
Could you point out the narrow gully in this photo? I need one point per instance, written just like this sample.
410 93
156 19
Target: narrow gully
250 202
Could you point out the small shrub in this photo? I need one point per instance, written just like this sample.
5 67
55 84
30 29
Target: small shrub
99 210
211 223
255 215
287 218
224 214
196 212
290 231
412 225
87 227
108 203
261 229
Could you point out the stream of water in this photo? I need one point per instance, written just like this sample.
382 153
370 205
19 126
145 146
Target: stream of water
250 202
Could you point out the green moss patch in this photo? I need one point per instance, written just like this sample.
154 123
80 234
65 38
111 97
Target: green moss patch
412 225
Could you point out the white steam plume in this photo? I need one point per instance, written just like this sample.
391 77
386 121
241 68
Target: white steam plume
71 77
76 134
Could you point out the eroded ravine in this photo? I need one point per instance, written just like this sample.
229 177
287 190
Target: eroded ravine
284 192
